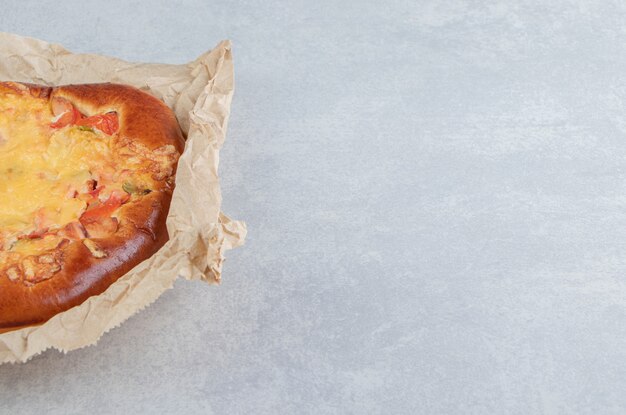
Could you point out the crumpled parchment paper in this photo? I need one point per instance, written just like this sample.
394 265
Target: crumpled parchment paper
200 94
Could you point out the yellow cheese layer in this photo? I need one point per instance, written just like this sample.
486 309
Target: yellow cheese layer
34 246
41 168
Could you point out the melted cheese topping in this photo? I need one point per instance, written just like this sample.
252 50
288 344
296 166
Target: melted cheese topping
33 246
41 169
65 184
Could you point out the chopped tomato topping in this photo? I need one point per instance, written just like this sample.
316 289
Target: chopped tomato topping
107 123
67 114
95 192
34 234
105 209
91 196
67 118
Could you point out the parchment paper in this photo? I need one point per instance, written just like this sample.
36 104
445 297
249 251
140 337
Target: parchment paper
200 94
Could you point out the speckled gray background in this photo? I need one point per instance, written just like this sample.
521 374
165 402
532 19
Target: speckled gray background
436 200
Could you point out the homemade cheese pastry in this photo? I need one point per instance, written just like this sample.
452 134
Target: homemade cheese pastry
86 179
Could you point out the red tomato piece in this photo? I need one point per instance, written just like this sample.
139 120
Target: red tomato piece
69 117
115 200
107 123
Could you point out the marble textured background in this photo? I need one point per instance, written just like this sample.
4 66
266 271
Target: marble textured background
436 202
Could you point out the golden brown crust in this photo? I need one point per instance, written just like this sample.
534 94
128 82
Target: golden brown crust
143 120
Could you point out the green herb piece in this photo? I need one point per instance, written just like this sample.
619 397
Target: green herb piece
135 190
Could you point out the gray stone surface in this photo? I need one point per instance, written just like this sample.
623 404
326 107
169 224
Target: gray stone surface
436 199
